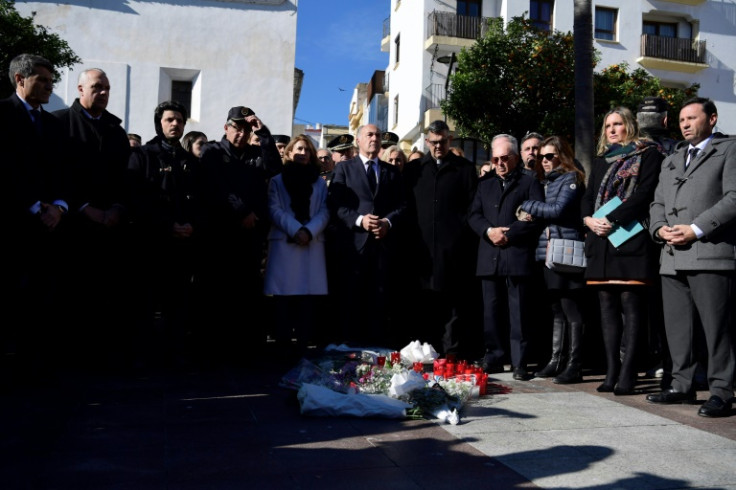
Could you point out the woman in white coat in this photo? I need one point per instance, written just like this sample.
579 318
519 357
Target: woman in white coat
296 274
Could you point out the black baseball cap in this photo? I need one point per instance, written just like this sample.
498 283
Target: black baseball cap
239 113
653 104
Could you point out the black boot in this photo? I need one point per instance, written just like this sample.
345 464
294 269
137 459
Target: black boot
554 366
634 312
573 373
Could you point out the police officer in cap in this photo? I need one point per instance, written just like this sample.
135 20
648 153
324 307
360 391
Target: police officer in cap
281 141
341 147
387 139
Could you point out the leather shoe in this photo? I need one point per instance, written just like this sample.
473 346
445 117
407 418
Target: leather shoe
619 390
520 374
604 388
715 407
670 396
490 368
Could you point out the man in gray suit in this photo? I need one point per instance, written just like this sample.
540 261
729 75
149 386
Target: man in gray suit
694 216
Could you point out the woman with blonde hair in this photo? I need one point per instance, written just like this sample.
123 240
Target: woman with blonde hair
626 169
296 272
564 184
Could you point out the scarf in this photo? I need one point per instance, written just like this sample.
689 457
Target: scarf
622 175
298 180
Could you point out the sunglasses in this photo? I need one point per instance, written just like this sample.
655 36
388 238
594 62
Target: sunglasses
548 156
503 158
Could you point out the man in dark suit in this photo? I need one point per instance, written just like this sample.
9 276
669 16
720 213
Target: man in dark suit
693 216
99 151
35 197
368 203
443 248
505 255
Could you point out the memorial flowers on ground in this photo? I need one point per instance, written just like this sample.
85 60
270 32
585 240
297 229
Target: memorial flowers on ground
365 383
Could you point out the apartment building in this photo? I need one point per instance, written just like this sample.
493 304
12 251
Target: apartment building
209 54
678 41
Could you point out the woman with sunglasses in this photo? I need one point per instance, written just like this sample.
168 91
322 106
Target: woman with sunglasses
626 169
564 185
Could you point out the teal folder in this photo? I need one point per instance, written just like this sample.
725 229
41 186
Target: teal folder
621 233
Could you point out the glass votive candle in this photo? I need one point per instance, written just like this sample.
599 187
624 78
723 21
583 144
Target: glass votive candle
381 360
418 366
449 369
395 357
451 357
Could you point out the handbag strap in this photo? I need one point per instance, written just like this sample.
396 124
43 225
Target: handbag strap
549 235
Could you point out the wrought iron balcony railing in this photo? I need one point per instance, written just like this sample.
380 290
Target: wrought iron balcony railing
453 25
674 49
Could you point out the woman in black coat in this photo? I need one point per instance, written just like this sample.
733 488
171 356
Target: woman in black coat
626 168
564 185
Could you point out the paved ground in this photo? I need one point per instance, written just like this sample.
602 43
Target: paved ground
235 428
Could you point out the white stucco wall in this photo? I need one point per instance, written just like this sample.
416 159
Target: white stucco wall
715 22
238 52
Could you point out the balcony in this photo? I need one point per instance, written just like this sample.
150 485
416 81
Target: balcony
448 32
386 38
432 97
674 54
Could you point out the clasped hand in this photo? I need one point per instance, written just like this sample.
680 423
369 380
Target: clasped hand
677 235
375 225
497 235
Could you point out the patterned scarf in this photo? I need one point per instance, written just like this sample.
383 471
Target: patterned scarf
622 175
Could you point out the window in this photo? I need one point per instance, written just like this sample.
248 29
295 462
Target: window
664 29
181 91
605 23
471 8
397 43
540 13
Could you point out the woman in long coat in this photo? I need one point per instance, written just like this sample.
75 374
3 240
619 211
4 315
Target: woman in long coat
296 273
626 167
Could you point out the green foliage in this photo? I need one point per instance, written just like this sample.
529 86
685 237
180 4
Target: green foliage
512 81
20 35
615 86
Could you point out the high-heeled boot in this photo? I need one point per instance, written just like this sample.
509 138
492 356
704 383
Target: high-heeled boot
627 377
555 365
611 333
573 373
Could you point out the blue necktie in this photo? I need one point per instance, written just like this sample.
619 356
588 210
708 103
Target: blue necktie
36 114
371 176
692 155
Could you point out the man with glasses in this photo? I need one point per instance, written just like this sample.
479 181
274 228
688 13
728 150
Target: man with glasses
235 176
328 164
505 256
442 186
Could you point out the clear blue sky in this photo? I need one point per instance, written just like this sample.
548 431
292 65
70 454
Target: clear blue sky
338 45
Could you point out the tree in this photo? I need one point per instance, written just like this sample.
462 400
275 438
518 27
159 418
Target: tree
514 80
616 86
584 55
20 35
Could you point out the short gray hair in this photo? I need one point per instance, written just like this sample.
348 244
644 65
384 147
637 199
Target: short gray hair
25 65
83 76
511 139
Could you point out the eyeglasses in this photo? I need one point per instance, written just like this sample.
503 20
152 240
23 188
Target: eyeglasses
239 129
503 158
439 142
548 156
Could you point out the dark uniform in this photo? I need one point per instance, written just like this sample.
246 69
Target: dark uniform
235 185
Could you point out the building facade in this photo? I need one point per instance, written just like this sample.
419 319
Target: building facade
210 54
678 41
